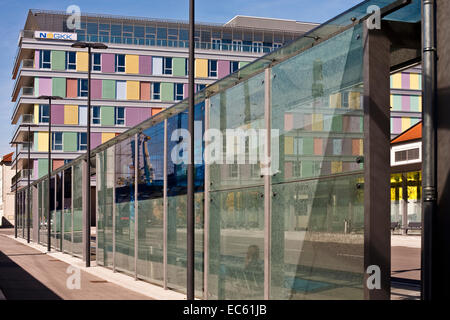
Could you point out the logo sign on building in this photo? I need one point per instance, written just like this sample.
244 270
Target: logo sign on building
55 35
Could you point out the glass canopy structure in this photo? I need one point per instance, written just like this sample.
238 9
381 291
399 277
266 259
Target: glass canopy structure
301 232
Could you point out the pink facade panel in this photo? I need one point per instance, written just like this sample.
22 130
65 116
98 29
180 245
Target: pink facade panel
406 103
96 89
45 86
406 81
134 116
397 125
145 65
57 114
108 63
96 139
223 68
36 59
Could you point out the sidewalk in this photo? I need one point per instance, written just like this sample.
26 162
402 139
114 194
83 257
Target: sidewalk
27 273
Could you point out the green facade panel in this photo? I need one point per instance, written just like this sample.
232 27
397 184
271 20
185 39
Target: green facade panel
109 89
58 59
167 91
42 167
243 64
107 116
179 67
59 87
70 141
336 123
308 146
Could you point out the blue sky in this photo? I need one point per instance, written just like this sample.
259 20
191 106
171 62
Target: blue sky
13 15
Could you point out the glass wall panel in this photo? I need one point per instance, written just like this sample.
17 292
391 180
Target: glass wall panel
317 209
67 207
176 192
124 205
77 222
53 219
236 230
39 213
151 203
44 213
105 189
58 210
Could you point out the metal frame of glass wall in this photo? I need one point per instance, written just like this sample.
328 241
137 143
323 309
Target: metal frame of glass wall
296 233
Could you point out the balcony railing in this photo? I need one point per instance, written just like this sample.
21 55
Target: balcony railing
24 120
21 175
26 63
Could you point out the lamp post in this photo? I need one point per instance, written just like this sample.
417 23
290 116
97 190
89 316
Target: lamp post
87 239
29 125
49 98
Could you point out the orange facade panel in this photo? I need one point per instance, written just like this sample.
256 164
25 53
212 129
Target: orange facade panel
145 91
71 88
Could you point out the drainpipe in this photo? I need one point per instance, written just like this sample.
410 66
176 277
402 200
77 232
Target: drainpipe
429 166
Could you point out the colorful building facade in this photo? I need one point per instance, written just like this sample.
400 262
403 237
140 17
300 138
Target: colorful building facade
143 71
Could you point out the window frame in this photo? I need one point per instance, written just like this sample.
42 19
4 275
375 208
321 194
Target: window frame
117 66
257 46
57 146
216 44
237 45
212 73
99 65
41 60
159 91
96 118
79 89
165 69
177 95
117 119
80 146
68 63
232 70
41 116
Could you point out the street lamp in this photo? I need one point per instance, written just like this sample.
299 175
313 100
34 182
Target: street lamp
49 98
89 46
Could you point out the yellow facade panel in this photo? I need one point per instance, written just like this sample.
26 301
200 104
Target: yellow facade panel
107 136
132 64
70 114
397 81
201 68
42 141
82 61
133 90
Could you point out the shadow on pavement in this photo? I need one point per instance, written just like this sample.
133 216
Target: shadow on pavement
17 284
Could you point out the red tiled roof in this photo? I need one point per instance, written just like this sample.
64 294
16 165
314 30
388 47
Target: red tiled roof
413 133
7 157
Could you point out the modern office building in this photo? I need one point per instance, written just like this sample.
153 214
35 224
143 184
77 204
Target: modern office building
406 100
143 71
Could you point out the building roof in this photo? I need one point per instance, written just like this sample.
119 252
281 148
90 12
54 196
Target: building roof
7 158
270 23
413 133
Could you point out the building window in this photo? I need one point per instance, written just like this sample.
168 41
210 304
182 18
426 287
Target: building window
407 155
237 45
57 141
233 170
82 87
234 66
119 116
167 65
81 141
96 62
216 44
45 60
344 99
71 60
200 87
212 68
276 45
95 115
156 91
179 92
44 114
120 63
257 47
